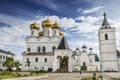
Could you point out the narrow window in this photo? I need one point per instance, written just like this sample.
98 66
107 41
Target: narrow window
32 32
43 49
48 33
84 64
77 61
43 68
3 57
0 56
54 32
36 59
45 59
27 59
28 49
53 48
38 49
106 36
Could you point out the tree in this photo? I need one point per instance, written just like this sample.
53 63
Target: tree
17 64
9 63
28 63
118 53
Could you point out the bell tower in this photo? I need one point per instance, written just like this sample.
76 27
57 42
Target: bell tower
107 46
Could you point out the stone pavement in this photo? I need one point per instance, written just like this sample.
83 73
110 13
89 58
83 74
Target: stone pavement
114 75
69 76
72 76
27 78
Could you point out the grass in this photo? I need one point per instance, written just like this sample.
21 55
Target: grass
8 75
14 74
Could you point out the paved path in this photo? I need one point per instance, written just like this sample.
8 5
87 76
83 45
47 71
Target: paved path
72 76
27 78
69 76
115 75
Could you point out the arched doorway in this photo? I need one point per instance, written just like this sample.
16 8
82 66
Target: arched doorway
64 63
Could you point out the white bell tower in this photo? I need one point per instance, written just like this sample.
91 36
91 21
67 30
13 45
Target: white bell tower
107 46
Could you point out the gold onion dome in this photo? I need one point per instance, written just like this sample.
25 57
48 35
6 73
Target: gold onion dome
47 23
61 33
34 26
56 25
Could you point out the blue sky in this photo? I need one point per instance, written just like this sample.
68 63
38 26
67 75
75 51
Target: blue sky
79 20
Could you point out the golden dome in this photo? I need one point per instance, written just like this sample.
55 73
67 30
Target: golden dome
56 25
47 23
61 33
34 26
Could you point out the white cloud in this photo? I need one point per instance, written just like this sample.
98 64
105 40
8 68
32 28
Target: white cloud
84 30
92 10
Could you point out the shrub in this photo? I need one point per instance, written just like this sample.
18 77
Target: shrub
50 69
86 78
83 67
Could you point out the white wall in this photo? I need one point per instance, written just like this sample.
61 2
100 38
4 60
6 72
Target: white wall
40 64
108 49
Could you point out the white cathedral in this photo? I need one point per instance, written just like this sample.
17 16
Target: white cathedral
48 50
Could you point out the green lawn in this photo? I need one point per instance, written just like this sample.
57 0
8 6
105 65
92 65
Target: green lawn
4 75
8 75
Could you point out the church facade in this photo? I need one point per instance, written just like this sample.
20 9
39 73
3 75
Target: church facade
86 60
47 50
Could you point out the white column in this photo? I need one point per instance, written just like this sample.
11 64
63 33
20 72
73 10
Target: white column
55 64
70 65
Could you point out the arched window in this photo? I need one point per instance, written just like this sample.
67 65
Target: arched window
48 33
106 36
28 49
53 48
54 32
43 49
36 59
27 59
105 26
38 49
45 59
84 64
32 32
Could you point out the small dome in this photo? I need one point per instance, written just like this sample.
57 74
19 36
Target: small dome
77 48
34 26
61 33
56 25
47 23
90 48
84 46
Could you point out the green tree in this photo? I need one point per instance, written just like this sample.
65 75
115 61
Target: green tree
17 64
9 63
118 53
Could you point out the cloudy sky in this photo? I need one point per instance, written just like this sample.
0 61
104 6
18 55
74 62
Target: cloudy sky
79 20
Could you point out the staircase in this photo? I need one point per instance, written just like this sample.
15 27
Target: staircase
63 69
